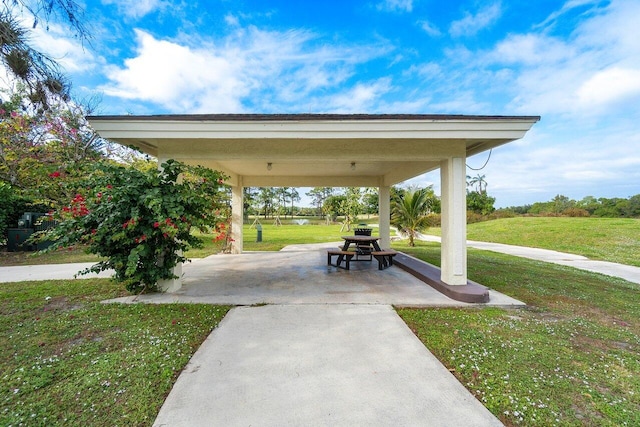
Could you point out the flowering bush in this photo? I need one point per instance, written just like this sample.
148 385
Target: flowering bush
141 221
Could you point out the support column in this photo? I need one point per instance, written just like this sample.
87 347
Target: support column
170 285
384 212
237 216
454 221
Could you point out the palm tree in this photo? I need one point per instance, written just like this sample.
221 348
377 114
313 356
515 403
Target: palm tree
409 212
478 181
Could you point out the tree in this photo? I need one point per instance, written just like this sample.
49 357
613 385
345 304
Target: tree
351 206
409 212
332 206
633 208
250 195
477 181
480 203
266 199
40 74
319 195
34 146
562 203
294 196
370 203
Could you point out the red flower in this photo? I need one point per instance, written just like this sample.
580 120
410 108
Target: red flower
109 186
55 174
156 224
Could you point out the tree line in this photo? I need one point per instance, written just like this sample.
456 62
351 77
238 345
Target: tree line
602 207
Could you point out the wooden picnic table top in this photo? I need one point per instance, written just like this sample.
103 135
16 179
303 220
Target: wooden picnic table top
361 239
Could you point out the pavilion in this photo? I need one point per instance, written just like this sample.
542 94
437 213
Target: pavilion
328 150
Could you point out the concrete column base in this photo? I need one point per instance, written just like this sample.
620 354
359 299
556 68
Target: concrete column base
172 285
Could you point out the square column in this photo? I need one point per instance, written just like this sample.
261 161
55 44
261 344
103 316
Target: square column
237 216
384 213
454 221
170 285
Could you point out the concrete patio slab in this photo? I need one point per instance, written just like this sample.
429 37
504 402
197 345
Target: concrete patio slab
317 365
302 277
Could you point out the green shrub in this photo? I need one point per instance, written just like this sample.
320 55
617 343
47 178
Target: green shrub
12 206
575 212
141 221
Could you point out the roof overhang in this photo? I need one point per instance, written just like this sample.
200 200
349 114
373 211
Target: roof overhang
309 150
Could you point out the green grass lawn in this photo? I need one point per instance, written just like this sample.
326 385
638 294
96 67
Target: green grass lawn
571 358
608 239
274 238
68 359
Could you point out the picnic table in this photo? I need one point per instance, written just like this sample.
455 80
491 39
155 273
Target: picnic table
361 242
365 246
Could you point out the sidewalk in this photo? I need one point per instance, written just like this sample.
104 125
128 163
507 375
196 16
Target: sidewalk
627 272
21 273
318 365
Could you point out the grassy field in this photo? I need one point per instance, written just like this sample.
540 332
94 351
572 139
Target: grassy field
274 238
616 240
572 358
68 359
608 239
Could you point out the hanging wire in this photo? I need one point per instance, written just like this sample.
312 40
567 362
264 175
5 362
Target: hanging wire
485 163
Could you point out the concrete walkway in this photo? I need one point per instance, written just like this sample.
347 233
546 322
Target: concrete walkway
317 365
627 272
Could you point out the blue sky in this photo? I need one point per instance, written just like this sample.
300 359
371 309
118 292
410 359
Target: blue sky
575 63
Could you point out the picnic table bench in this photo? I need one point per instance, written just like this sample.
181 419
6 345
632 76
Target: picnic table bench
341 255
384 258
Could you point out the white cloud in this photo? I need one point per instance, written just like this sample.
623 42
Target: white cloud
586 86
472 24
401 5
231 20
177 77
577 164
568 6
530 49
430 28
360 98
593 71
63 48
283 68
136 8
609 86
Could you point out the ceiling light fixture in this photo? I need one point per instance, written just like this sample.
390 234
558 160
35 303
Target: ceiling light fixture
269 166
353 166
